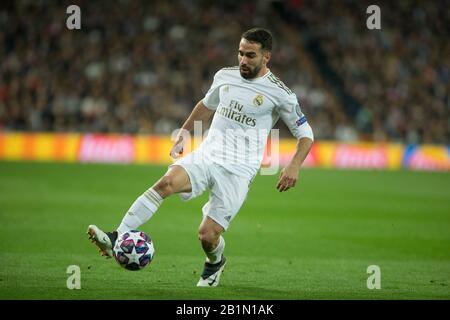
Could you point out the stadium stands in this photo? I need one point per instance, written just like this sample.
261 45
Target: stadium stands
140 66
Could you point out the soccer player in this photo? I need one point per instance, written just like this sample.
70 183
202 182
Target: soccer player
246 102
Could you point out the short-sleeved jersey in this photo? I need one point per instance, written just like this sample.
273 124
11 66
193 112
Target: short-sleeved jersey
245 112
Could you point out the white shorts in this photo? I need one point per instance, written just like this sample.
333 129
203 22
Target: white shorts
227 190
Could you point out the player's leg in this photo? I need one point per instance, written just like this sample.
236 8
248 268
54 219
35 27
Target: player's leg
210 236
228 193
176 180
213 244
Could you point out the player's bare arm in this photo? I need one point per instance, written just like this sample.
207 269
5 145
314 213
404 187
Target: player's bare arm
199 113
289 174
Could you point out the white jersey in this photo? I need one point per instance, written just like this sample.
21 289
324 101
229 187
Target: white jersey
245 112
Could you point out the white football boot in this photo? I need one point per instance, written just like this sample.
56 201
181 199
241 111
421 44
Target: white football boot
103 240
211 274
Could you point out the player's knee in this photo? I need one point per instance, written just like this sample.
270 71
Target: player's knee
164 186
208 238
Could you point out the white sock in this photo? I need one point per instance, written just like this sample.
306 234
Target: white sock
215 256
140 211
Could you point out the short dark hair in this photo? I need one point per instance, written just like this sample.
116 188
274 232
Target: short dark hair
261 36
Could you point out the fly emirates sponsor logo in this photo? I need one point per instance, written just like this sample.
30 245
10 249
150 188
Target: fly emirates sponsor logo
234 112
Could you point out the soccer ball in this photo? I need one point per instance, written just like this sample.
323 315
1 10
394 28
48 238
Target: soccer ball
133 250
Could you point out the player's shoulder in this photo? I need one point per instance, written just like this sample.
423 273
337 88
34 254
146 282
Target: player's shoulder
228 71
279 87
227 74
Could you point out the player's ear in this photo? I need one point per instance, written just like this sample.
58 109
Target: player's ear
266 56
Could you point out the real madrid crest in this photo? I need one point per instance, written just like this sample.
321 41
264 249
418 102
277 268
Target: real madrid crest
258 101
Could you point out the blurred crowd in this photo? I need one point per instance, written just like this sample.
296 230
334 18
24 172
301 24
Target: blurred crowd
399 74
141 66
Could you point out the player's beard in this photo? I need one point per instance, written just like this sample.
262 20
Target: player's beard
250 74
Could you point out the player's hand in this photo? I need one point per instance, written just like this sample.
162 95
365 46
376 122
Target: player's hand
177 149
288 178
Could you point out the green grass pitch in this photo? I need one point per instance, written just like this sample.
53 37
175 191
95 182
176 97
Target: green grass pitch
312 242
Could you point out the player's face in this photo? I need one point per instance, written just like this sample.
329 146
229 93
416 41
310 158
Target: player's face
251 59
